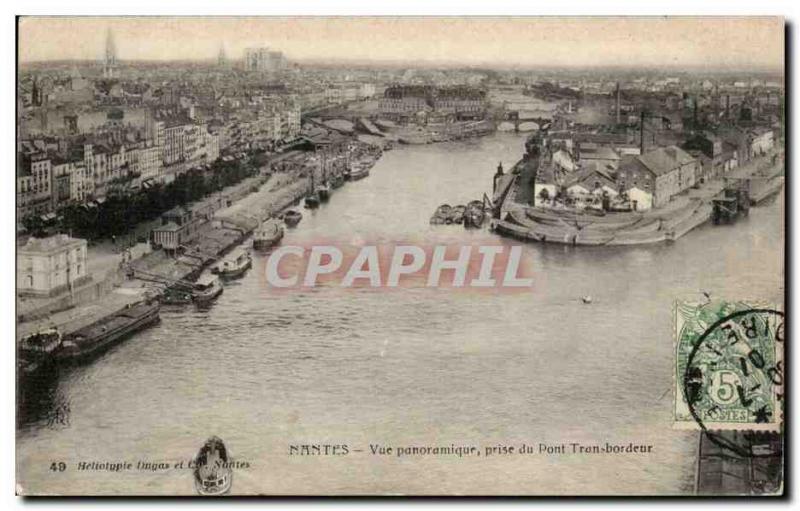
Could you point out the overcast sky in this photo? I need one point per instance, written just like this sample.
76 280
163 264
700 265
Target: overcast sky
738 43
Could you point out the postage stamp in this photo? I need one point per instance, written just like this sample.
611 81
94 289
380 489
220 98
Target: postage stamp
728 366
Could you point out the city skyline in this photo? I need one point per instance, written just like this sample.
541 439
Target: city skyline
711 43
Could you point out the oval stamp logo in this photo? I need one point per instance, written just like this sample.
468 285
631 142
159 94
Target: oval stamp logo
729 367
213 474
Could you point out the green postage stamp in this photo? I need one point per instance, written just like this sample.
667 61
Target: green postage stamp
728 366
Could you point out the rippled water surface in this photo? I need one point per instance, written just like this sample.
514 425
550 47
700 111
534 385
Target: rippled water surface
264 370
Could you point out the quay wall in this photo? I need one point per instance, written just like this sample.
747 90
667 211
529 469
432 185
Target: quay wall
522 222
92 301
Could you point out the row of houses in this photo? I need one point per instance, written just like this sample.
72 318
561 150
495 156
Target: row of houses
405 101
648 180
260 128
610 164
338 94
52 173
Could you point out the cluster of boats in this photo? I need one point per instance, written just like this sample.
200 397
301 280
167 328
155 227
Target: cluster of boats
356 170
472 214
47 346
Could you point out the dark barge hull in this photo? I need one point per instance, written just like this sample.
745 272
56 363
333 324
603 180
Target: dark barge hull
103 334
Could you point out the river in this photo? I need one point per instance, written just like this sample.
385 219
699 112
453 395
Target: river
265 370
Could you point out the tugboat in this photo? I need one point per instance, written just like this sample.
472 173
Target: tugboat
104 333
268 235
292 217
213 474
36 350
206 290
234 265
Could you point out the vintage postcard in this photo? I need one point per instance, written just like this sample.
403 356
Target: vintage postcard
390 256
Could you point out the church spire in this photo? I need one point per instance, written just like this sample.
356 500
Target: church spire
110 60
222 58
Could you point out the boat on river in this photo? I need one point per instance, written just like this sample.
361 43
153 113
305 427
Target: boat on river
475 214
323 192
104 333
292 217
267 235
234 265
337 180
312 200
213 474
36 350
206 289
442 215
358 171
457 214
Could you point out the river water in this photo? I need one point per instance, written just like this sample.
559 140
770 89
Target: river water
265 370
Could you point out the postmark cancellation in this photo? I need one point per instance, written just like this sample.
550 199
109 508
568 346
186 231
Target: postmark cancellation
728 366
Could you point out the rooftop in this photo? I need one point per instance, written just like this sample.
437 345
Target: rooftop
50 244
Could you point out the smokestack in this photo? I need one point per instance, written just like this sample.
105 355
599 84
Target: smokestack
694 115
618 117
641 134
727 106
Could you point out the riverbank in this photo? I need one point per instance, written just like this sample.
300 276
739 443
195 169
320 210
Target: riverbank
684 213
147 273
254 351
115 290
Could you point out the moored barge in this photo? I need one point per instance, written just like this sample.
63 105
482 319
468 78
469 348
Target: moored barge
104 333
37 350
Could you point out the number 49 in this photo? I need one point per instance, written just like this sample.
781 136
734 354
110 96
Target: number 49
58 466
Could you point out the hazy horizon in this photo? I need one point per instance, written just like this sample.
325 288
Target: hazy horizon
711 43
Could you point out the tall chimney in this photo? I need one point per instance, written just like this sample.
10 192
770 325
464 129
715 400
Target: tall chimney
727 106
641 133
694 115
618 116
